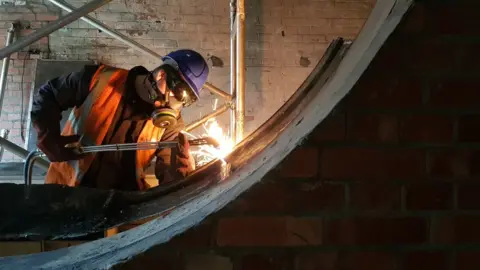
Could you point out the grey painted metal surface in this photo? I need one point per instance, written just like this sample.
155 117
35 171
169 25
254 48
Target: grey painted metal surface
52 27
12 172
251 160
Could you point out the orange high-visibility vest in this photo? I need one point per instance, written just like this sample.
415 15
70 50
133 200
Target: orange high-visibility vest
93 119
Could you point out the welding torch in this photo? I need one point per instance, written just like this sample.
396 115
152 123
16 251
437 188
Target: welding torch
80 149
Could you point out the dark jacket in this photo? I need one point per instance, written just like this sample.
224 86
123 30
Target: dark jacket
71 90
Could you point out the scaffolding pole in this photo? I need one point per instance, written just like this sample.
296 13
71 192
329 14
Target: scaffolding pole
233 62
5 64
204 119
52 27
240 70
104 28
22 153
219 92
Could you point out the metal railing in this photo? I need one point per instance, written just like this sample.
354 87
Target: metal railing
20 152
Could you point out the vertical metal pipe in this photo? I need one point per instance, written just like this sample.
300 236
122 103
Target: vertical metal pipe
52 27
28 169
233 63
3 134
5 64
240 70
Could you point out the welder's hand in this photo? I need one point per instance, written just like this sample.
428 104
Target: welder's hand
53 145
185 162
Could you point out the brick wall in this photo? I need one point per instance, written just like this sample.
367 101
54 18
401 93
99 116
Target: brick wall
388 181
22 66
285 39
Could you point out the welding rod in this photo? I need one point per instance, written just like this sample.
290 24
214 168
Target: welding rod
138 146
127 147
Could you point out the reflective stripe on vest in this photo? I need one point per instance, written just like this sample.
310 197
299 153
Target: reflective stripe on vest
93 120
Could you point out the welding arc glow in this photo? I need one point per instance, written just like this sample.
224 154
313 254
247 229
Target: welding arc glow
207 153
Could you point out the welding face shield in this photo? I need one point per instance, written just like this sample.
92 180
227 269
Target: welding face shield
177 95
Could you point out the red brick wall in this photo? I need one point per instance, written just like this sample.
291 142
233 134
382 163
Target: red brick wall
388 181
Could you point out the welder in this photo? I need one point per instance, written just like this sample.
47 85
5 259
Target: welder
113 105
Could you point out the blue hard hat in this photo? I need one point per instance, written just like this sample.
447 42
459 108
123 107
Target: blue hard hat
191 65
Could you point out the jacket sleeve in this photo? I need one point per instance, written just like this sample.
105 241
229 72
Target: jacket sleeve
165 165
60 94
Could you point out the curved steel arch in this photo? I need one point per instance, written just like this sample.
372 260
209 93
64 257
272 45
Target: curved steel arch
186 204
54 211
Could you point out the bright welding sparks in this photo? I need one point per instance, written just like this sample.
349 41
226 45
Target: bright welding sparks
207 153
214 130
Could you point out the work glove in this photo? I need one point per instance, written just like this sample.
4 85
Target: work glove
52 144
185 162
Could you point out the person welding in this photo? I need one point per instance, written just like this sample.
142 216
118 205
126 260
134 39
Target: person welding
111 106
